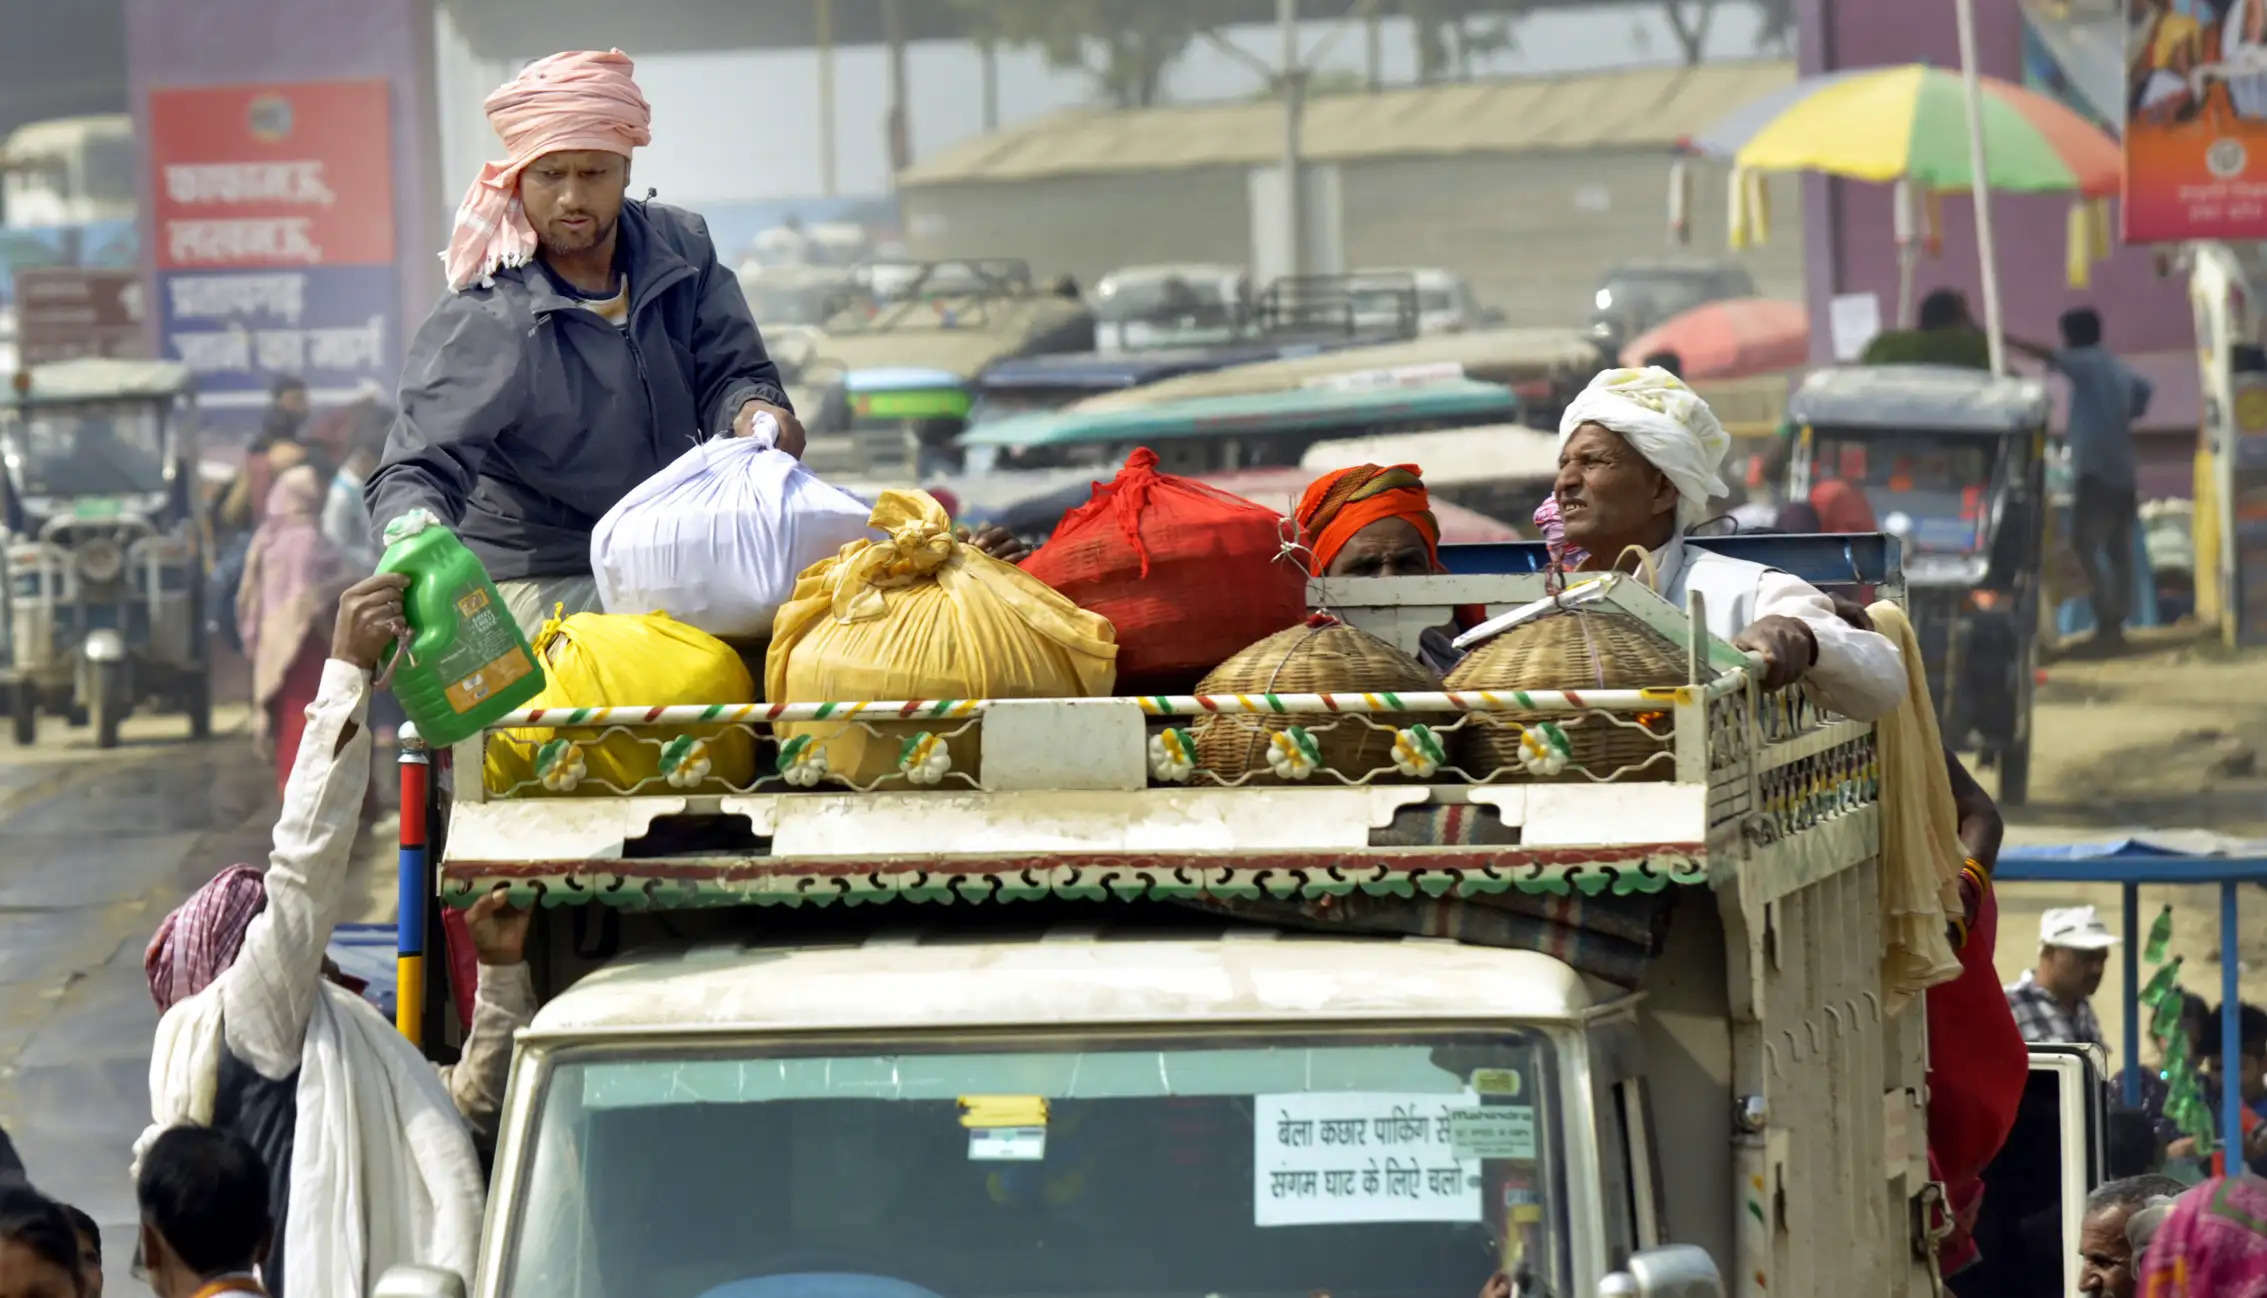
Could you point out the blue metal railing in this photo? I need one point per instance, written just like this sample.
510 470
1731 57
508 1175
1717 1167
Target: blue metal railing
2130 866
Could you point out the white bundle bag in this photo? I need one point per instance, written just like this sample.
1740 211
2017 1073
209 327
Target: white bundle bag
716 539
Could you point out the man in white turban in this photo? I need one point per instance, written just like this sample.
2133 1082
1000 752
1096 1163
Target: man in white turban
1638 459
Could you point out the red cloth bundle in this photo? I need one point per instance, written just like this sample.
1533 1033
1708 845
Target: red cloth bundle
1188 574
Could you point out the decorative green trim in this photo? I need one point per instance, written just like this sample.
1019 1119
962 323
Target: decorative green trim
679 890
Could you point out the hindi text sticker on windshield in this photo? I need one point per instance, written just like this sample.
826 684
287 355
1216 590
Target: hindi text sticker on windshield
1359 1157
1503 1131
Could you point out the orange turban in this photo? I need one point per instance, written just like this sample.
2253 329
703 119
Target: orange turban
1338 505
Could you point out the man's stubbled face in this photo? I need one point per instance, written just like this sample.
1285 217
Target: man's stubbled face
574 198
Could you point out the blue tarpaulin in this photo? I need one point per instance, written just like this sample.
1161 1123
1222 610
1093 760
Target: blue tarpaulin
367 952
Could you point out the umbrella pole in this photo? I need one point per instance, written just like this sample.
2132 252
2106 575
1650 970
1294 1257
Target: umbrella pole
1979 180
1908 265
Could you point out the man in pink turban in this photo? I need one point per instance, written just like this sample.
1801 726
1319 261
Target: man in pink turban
587 340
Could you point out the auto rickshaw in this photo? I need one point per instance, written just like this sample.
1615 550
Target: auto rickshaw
104 562
1952 463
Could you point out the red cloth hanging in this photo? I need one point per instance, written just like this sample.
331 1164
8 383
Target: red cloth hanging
1977 1061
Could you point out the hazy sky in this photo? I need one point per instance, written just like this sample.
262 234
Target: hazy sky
739 126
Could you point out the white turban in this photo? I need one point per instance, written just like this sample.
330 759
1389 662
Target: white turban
1664 421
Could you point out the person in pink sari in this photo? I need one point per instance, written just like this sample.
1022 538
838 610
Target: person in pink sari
2212 1243
293 576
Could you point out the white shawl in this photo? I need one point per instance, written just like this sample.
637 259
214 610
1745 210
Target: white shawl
382 1170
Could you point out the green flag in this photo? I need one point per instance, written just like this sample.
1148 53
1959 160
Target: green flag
2166 979
2160 937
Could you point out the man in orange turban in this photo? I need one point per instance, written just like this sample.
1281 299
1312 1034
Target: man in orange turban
1370 521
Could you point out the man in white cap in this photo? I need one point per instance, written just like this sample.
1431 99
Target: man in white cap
2049 1001
1638 458
586 341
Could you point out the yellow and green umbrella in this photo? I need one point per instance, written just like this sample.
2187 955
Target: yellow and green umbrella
1910 123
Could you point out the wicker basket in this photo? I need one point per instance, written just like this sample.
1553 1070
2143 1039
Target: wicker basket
1573 648
1319 656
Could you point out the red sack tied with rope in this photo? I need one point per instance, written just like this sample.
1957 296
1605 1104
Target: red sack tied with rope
1187 573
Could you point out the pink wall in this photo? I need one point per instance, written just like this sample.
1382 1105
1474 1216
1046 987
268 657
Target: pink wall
1846 224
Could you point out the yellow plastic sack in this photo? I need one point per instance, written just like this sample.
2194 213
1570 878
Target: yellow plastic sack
922 616
612 659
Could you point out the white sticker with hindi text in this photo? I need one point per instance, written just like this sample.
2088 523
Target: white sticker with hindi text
1007 1144
1319 1159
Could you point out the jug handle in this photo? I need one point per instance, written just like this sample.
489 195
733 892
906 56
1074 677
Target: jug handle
403 646
385 676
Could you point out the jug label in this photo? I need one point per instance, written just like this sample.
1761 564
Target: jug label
487 654
469 691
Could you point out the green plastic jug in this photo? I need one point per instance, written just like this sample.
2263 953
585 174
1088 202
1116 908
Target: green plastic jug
466 664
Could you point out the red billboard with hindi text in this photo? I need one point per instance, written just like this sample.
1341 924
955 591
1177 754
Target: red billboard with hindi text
269 176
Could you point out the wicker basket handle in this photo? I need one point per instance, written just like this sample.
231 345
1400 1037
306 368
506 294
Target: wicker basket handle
1645 564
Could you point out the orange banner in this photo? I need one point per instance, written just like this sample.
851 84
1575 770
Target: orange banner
2196 120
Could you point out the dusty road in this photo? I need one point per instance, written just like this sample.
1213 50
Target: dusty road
97 847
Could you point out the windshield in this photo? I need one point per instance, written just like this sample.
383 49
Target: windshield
1656 296
890 282
1194 300
1399 1167
1386 301
1941 486
92 448
802 304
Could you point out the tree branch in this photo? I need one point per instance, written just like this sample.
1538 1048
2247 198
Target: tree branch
1267 72
1691 38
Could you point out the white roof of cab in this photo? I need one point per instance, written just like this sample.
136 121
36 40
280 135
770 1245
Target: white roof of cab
1920 398
93 378
1075 977
34 142
1425 276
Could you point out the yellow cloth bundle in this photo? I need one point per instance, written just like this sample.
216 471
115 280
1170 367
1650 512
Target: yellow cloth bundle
1920 832
617 659
920 615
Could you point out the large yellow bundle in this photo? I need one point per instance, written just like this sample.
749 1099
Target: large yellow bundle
922 616
616 659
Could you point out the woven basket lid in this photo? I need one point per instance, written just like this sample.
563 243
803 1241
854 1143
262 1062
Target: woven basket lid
1585 647
1321 655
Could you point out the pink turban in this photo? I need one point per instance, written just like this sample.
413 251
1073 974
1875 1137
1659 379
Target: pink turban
578 100
202 935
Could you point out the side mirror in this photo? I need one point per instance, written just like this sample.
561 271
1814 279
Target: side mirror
418 1282
1671 1271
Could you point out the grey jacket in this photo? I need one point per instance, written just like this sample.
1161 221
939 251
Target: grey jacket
525 417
